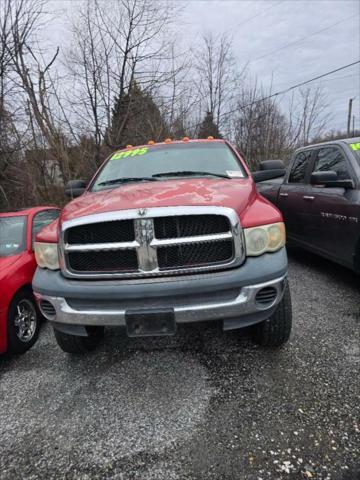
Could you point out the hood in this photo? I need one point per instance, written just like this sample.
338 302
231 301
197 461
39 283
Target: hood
235 193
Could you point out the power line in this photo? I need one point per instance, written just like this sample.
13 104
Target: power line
300 40
261 12
339 78
281 92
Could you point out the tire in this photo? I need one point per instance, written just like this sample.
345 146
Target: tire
24 321
76 344
275 331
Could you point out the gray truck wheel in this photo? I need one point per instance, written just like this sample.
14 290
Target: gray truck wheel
76 344
275 331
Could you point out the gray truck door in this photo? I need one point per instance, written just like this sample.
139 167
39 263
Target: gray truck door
332 225
291 201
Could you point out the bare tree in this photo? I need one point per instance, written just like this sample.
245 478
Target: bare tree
260 130
33 72
116 43
10 136
309 116
218 79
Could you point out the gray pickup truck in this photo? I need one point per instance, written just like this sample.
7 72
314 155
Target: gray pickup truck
319 197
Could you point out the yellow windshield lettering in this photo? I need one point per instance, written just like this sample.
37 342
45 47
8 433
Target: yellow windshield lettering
129 153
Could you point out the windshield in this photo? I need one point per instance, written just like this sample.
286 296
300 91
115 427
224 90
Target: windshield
12 235
162 161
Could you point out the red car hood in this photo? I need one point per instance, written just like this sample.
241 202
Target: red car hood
235 193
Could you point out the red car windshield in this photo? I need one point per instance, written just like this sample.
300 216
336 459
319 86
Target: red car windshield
12 235
161 162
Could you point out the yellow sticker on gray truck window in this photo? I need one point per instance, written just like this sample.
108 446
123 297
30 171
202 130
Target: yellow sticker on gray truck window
355 146
129 153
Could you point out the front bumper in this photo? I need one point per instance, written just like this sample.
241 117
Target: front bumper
231 295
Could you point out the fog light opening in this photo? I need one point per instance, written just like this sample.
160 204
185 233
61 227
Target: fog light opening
47 309
266 297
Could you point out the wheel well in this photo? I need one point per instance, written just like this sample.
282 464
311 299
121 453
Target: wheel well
24 288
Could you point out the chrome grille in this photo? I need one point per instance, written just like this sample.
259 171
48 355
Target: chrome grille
102 232
104 261
190 225
155 241
195 254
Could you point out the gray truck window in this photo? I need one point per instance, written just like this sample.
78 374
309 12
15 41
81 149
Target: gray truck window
331 158
42 219
298 171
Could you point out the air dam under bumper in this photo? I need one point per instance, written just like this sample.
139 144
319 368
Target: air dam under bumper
240 297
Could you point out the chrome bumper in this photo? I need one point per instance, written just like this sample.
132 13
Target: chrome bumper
244 304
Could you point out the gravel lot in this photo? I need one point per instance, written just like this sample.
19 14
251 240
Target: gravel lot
201 405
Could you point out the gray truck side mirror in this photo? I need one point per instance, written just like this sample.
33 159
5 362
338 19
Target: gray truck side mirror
328 178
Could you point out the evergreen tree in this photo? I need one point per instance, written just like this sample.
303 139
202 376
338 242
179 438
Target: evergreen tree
135 119
208 127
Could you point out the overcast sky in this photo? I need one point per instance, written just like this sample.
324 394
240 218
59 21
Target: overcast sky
261 27
261 30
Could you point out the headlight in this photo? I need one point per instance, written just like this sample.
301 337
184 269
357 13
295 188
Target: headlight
46 255
265 238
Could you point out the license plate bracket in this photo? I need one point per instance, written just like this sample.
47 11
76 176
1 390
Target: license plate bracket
146 323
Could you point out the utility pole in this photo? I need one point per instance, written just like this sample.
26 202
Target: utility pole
353 126
349 117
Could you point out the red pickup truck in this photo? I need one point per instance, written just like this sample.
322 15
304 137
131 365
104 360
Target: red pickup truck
165 234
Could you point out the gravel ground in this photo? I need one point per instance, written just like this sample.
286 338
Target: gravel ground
201 405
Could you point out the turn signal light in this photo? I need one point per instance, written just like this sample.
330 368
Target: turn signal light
151 142
167 140
210 138
186 139
129 146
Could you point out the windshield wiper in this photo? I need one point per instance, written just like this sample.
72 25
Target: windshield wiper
188 173
114 181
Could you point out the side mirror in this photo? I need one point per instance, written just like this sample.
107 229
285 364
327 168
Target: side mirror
75 188
263 175
329 179
271 165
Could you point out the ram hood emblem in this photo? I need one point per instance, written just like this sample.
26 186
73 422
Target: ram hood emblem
142 212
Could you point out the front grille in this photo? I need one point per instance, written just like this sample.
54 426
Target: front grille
163 241
195 254
102 232
190 226
109 261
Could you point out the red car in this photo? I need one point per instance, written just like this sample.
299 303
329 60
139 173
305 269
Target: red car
19 317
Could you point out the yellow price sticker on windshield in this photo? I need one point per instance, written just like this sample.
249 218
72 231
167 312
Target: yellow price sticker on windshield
129 153
355 146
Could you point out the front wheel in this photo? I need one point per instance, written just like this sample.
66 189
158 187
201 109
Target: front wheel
76 344
23 322
275 331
